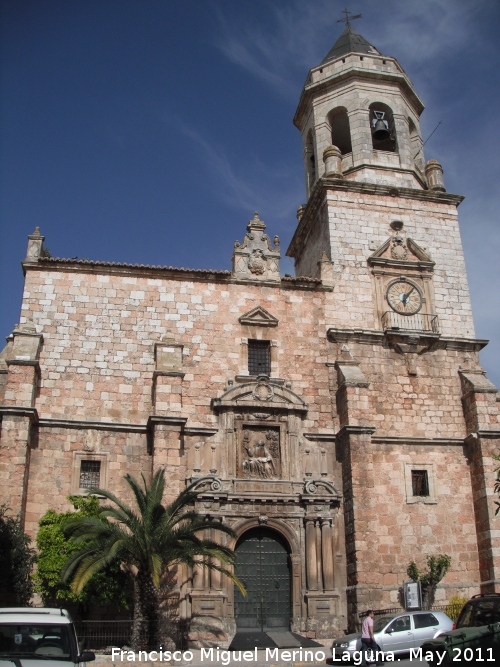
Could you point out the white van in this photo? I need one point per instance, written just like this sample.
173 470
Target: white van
37 637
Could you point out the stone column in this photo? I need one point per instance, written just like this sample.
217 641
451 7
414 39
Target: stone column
319 567
327 554
198 576
215 575
311 556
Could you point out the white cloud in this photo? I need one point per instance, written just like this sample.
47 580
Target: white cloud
251 186
300 34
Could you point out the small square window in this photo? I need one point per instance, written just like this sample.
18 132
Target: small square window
259 357
90 474
89 471
420 483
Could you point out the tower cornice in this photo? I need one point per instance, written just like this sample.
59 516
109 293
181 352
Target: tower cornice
335 72
326 184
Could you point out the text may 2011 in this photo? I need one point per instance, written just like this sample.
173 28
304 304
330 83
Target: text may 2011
432 657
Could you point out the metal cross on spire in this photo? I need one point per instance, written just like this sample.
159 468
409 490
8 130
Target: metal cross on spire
348 18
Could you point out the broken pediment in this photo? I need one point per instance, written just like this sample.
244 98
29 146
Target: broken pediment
261 393
400 251
259 316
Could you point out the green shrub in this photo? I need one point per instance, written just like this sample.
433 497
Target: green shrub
107 587
454 607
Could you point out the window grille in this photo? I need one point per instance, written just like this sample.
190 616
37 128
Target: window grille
259 357
420 482
90 474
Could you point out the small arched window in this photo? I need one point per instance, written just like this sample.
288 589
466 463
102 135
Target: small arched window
341 131
381 118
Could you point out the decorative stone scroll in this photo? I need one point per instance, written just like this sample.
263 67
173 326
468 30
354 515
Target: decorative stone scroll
314 486
256 258
207 483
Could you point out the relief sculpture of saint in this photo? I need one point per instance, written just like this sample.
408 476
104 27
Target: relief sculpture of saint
259 461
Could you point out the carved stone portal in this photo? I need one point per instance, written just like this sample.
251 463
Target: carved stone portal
259 453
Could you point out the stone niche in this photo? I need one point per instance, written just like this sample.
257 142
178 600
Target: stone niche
261 422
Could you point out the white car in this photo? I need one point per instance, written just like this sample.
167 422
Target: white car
38 637
397 633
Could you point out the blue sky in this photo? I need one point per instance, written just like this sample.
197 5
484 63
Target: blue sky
148 131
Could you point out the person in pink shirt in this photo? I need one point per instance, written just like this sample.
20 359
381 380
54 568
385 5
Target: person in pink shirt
368 644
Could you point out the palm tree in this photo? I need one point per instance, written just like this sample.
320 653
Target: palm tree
148 542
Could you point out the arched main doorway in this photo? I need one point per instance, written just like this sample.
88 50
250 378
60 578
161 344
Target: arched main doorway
263 564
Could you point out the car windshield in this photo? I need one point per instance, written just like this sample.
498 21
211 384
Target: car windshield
41 642
380 622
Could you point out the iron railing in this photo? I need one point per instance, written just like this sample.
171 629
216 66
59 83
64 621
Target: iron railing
105 635
99 635
392 321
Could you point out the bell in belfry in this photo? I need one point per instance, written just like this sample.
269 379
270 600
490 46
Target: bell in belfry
380 126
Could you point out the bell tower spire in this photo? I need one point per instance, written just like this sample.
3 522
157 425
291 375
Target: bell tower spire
363 103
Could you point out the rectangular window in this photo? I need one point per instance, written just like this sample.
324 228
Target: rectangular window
90 474
420 482
259 357
425 621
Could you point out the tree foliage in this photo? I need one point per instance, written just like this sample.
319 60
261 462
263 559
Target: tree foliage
107 587
150 541
437 567
497 483
16 561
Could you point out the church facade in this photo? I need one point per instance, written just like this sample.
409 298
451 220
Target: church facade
339 421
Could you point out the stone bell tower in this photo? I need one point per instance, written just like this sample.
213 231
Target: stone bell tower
368 185
403 358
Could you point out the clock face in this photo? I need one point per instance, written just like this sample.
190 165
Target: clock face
404 297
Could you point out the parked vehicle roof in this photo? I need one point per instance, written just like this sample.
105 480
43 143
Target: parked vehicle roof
34 614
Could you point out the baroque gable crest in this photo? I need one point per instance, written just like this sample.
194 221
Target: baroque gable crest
399 251
256 258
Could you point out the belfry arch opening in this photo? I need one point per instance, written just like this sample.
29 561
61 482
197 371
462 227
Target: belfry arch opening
263 565
310 162
381 112
340 128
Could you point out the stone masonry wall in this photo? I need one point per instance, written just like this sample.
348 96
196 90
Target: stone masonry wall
358 225
97 360
419 529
